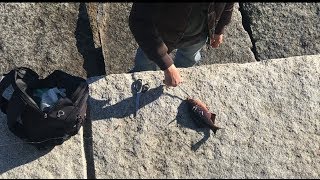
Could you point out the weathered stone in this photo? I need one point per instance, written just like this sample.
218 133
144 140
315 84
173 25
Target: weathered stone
19 160
41 36
117 42
269 112
236 46
284 29
119 46
88 40
92 11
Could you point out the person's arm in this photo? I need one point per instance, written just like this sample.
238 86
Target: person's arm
145 33
225 18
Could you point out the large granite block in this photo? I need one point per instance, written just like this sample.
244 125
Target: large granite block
41 36
119 46
269 112
236 46
282 30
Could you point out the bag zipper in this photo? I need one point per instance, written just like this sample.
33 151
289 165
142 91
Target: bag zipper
79 90
45 114
78 102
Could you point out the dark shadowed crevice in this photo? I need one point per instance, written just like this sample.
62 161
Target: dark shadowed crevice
246 25
88 145
94 66
93 58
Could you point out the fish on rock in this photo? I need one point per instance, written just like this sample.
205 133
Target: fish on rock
201 114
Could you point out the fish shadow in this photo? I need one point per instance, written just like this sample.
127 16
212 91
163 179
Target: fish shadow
101 110
184 119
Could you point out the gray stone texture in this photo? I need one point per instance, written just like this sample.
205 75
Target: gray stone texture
282 30
19 160
269 112
236 46
40 36
119 46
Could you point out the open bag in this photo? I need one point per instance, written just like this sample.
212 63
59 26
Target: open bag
31 118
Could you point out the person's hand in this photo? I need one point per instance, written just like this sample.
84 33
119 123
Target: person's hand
172 76
216 40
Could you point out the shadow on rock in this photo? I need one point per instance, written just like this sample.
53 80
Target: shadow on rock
184 119
123 108
93 57
14 152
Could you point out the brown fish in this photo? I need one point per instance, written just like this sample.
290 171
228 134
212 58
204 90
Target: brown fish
201 114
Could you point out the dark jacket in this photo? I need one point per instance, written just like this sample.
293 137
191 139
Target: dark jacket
158 27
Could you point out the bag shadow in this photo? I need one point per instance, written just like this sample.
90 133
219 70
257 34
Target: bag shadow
15 152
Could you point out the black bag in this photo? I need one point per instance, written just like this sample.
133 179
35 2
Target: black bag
43 128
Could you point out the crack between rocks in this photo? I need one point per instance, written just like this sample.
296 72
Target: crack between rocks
98 19
93 60
88 145
246 26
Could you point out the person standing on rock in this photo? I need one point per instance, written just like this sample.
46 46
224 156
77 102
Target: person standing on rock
159 28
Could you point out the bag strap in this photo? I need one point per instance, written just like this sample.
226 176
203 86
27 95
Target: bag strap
3 104
15 103
76 96
16 78
23 77
15 108
5 82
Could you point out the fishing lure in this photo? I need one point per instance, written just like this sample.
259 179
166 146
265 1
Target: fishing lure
201 114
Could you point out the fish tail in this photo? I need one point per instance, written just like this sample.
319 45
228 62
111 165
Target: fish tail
214 128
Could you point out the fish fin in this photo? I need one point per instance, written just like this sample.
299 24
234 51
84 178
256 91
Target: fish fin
213 117
215 129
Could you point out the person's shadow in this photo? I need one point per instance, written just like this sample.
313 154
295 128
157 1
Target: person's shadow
93 57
